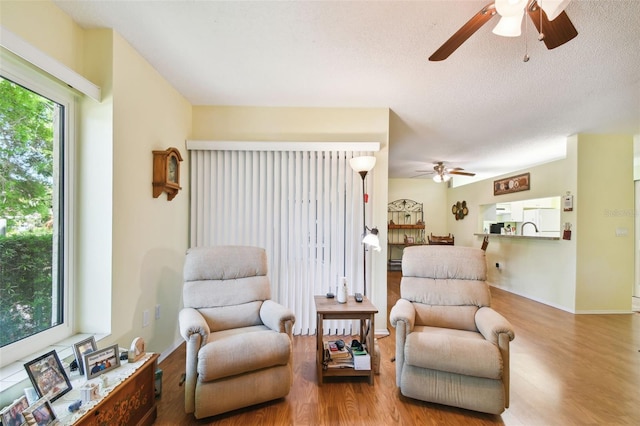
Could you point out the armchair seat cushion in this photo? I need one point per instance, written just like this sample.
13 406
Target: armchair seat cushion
243 350
453 351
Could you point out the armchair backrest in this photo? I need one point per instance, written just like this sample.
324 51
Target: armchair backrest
227 284
447 284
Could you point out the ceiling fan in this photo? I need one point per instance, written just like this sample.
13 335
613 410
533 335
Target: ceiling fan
553 25
442 173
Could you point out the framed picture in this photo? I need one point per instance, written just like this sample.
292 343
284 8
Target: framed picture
409 240
12 415
82 348
101 361
40 413
48 377
512 184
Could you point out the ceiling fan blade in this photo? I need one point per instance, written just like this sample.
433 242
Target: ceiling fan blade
459 172
556 32
422 174
466 31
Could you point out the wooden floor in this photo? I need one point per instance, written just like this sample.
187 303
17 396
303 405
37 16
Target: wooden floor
565 370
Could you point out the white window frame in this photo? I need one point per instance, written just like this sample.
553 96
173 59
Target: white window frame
14 69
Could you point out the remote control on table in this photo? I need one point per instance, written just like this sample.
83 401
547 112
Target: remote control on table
358 297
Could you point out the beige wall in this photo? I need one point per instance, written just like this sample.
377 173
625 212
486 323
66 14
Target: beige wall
313 125
150 235
605 208
542 270
591 273
44 25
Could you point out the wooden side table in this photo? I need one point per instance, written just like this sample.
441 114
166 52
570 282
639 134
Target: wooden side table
330 309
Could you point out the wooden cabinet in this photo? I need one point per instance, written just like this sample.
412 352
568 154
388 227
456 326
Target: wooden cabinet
405 227
131 402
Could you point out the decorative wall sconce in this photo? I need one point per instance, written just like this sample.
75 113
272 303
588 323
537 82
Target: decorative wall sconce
460 210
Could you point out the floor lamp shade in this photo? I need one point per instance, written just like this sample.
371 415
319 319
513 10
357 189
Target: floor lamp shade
363 163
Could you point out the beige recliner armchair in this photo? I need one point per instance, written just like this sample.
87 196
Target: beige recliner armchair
239 347
451 347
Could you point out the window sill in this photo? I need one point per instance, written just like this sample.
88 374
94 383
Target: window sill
15 374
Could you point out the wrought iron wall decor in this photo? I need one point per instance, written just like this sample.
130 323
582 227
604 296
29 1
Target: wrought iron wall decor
460 210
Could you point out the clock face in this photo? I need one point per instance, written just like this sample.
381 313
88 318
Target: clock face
173 169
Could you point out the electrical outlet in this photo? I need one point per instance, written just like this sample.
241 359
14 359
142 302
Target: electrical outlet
622 232
157 312
145 318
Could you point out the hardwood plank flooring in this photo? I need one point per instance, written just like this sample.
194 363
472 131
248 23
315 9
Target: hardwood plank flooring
565 370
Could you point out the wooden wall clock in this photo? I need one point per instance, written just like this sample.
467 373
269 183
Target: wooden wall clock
166 172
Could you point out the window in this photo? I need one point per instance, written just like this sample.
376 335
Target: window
302 203
36 117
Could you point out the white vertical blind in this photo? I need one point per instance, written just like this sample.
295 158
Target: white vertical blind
303 206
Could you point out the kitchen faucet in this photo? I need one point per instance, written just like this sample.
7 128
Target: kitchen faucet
522 227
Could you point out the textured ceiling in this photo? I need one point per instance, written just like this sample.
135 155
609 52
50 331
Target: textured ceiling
482 109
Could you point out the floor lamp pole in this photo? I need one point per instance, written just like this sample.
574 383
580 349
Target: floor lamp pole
362 165
364 233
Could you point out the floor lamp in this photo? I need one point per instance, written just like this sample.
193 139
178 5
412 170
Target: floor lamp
363 165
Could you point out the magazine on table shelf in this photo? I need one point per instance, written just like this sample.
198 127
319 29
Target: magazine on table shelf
339 355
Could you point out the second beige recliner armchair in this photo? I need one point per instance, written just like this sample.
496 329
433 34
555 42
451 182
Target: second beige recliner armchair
239 347
452 348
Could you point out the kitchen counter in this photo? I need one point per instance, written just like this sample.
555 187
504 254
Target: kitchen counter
529 237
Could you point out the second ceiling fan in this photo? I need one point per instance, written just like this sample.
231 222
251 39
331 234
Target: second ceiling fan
443 174
553 25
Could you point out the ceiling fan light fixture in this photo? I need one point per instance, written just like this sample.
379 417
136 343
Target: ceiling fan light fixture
509 26
553 8
441 178
508 8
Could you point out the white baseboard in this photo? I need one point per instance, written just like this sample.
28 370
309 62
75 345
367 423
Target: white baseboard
170 350
527 296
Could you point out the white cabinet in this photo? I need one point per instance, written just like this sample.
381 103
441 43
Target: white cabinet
517 208
542 203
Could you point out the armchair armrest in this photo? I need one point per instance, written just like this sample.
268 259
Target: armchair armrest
497 330
195 330
403 318
491 325
191 322
403 311
277 317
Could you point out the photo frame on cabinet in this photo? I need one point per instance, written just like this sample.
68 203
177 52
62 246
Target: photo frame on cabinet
12 415
82 348
40 413
101 361
48 376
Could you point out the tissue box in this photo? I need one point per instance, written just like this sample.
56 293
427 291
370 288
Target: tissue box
362 362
